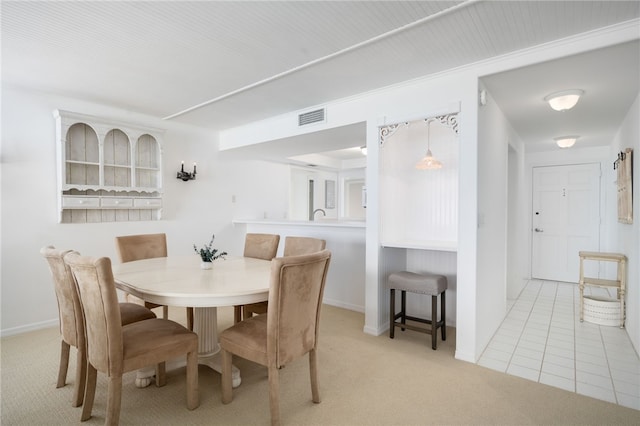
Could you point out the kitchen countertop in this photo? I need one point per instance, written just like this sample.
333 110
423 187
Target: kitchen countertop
320 222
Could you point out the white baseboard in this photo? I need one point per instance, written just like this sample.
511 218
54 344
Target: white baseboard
465 357
340 304
27 328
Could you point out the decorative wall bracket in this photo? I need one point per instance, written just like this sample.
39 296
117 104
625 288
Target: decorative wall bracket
448 120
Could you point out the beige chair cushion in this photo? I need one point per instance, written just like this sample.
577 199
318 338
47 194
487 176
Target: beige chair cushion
248 339
430 284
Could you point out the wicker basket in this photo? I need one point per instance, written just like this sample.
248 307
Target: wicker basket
599 310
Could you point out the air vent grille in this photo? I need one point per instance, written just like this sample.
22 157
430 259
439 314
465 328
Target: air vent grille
311 117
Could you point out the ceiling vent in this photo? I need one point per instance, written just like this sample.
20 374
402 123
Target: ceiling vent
311 117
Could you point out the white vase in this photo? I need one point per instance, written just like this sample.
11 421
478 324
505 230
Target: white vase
206 265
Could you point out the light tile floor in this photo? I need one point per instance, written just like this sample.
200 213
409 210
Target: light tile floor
542 339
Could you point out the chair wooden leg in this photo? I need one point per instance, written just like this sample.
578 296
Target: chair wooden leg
190 319
274 394
313 370
89 392
114 400
237 314
64 364
161 374
434 322
227 391
81 377
193 396
443 316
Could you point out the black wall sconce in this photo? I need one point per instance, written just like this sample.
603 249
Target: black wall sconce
185 176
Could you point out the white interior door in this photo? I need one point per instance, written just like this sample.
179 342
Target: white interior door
566 219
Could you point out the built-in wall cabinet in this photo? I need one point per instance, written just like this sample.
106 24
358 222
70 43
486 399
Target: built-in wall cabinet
107 171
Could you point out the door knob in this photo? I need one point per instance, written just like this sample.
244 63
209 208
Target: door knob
538 230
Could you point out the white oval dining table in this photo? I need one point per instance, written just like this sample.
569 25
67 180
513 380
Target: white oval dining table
180 281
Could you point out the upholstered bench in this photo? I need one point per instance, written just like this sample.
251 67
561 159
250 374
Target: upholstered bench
429 284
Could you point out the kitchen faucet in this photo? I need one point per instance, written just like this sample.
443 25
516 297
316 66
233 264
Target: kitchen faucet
313 215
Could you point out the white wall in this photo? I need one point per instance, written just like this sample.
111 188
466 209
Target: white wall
300 178
493 178
414 99
345 282
193 210
625 238
518 225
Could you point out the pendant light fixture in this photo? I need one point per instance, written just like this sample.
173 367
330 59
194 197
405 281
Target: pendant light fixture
428 162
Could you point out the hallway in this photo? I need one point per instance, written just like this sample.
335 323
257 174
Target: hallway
542 339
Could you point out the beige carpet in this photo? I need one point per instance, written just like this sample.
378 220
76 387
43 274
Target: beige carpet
364 380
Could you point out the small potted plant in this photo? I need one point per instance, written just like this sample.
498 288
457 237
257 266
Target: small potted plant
208 254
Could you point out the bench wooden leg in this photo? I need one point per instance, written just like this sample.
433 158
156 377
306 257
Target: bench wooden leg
434 322
392 313
443 316
403 308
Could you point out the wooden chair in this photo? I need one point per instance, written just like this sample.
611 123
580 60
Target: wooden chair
288 331
146 246
258 246
114 349
72 323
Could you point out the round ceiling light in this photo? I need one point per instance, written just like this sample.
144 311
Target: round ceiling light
565 141
563 101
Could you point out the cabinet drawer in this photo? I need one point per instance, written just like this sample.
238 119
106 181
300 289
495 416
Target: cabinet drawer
147 203
71 202
116 203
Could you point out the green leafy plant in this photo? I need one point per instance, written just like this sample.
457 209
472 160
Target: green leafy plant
208 253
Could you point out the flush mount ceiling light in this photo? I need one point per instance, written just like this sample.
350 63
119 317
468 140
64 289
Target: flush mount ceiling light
428 162
566 141
563 101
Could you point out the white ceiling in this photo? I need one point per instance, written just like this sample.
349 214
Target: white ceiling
609 77
220 64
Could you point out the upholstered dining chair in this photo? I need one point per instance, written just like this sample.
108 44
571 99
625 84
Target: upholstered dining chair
146 246
257 246
288 331
293 246
72 322
114 349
